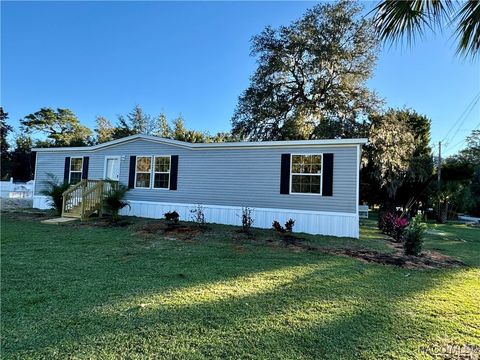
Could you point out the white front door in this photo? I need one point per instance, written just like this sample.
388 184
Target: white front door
112 168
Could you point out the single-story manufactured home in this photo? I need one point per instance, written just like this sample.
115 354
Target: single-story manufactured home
314 182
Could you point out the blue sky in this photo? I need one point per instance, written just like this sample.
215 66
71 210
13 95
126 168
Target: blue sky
102 58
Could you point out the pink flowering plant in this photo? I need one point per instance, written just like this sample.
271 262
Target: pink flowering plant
392 225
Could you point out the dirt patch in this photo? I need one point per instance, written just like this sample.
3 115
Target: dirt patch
104 222
28 214
427 260
7 204
178 231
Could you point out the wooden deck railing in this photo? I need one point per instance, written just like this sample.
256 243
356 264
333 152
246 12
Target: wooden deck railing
84 198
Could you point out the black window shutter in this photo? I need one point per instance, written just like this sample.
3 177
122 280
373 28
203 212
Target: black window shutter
66 171
285 174
327 181
85 167
131 172
173 172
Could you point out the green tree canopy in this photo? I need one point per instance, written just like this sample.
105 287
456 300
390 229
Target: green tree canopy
391 150
5 129
310 73
471 153
398 166
135 122
138 121
61 127
104 129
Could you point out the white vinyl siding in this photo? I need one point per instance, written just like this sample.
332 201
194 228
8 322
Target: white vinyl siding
233 177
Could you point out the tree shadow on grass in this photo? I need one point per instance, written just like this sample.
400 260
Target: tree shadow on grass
174 300
333 309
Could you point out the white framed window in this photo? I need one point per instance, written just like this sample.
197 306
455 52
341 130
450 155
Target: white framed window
76 167
306 174
161 172
143 172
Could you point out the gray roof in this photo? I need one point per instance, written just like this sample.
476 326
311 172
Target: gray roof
222 145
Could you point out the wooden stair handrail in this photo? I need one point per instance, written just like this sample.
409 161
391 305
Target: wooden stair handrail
86 195
73 187
90 205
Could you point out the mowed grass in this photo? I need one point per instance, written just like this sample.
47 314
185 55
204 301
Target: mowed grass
72 291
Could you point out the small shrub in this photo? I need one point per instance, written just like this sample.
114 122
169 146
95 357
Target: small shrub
289 225
399 228
386 222
285 232
172 217
277 227
55 189
413 237
198 215
113 200
392 225
247 220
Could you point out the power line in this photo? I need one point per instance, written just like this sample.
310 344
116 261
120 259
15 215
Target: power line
461 142
459 122
464 119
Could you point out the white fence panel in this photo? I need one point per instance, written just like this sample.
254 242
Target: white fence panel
363 211
13 190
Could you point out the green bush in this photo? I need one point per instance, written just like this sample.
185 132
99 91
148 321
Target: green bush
286 232
247 220
55 189
172 216
413 236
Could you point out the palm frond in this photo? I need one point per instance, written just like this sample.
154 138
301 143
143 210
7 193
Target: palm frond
468 28
54 189
396 19
113 200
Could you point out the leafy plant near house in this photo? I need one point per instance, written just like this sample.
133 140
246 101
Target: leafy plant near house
113 200
198 215
172 217
399 228
289 225
55 189
392 225
247 220
286 232
413 236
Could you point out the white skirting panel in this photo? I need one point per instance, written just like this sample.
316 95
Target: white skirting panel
311 222
41 202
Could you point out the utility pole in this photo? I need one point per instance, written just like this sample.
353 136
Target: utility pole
439 169
442 217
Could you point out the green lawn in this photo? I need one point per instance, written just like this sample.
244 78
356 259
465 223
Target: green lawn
73 291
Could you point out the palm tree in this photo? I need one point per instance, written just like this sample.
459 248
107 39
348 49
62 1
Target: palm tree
395 19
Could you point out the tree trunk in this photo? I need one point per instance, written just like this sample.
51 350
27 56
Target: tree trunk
443 211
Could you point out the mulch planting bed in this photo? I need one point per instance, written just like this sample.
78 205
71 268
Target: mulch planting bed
28 214
429 259
426 260
180 231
